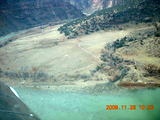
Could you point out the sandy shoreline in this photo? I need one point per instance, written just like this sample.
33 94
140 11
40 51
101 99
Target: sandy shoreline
79 85
91 87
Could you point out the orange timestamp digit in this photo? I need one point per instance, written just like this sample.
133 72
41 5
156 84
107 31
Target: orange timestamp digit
132 107
149 107
112 107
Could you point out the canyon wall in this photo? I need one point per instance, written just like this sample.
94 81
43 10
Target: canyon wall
22 14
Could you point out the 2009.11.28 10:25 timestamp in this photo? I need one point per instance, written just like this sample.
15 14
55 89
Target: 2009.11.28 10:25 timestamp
129 107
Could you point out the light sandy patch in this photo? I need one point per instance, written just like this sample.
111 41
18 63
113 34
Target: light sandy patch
49 51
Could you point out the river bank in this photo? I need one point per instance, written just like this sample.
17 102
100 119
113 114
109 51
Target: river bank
91 87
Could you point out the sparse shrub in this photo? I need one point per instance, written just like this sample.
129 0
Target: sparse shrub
98 68
153 49
25 74
0 70
152 70
56 43
122 42
118 73
83 76
157 32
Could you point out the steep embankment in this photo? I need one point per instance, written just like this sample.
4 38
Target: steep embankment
23 14
134 58
133 11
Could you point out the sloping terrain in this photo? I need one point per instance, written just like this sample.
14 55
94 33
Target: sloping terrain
46 55
23 14
134 58
115 44
39 54
133 11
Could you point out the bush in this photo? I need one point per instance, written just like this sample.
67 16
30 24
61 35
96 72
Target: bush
152 70
122 42
157 32
24 74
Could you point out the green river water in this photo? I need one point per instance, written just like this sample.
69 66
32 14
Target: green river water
51 105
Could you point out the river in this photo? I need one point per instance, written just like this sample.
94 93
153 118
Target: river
56 105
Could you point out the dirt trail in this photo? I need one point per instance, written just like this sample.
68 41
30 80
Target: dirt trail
50 52
96 58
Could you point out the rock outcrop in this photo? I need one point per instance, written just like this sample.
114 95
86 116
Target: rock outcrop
90 6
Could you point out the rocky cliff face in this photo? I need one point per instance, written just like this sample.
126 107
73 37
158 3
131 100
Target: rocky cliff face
90 6
80 4
21 14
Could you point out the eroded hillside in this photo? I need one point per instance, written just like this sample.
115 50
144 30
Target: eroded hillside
111 46
24 14
133 11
